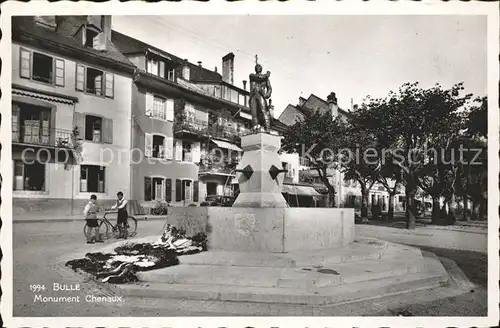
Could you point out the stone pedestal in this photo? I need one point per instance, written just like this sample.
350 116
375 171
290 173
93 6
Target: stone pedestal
258 172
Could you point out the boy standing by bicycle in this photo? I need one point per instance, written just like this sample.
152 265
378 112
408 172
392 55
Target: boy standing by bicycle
121 206
90 214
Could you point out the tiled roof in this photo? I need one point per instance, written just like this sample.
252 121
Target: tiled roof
129 45
65 35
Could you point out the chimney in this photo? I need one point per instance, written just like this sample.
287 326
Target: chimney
199 63
186 71
106 26
244 84
215 69
48 22
332 104
301 101
228 68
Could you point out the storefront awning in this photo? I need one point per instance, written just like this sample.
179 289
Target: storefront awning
227 145
299 190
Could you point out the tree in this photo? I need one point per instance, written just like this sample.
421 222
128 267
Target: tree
318 138
360 159
390 176
407 123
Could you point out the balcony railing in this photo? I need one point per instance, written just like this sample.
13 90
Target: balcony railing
34 135
202 128
216 168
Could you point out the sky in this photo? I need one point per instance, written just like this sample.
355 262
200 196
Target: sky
353 56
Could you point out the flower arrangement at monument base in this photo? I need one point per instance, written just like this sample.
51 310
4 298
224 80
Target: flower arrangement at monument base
121 266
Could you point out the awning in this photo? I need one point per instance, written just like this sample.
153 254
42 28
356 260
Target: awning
227 145
299 190
49 96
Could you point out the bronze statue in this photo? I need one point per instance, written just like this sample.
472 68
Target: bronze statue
260 92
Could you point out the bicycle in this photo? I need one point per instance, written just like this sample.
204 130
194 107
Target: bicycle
108 230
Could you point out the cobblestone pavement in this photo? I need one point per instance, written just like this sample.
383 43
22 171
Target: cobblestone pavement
38 245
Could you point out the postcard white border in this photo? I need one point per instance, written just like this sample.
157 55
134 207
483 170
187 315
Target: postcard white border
261 8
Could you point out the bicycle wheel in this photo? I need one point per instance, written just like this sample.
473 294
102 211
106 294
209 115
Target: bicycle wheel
104 230
132 225
85 230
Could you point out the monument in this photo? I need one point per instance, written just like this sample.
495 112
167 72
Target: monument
264 252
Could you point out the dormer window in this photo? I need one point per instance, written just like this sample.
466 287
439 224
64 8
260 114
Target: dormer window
90 35
93 37
186 72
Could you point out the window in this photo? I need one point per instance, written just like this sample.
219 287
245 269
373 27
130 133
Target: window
90 35
93 128
155 65
159 108
29 176
31 124
94 81
42 68
187 155
184 190
158 146
92 178
211 188
171 74
158 188
241 99
188 189
152 66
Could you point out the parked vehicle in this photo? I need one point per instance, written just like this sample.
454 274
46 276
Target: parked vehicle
217 200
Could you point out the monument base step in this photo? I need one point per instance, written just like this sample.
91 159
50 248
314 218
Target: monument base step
327 295
360 250
402 270
294 270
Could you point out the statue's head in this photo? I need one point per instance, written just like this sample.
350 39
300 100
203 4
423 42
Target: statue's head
258 68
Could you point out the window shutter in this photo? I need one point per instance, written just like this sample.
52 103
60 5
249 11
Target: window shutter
80 77
98 85
178 190
196 191
168 190
25 63
80 125
178 150
110 85
100 44
162 69
149 104
15 122
95 42
148 144
147 188
169 148
59 63
196 151
107 130
170 109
